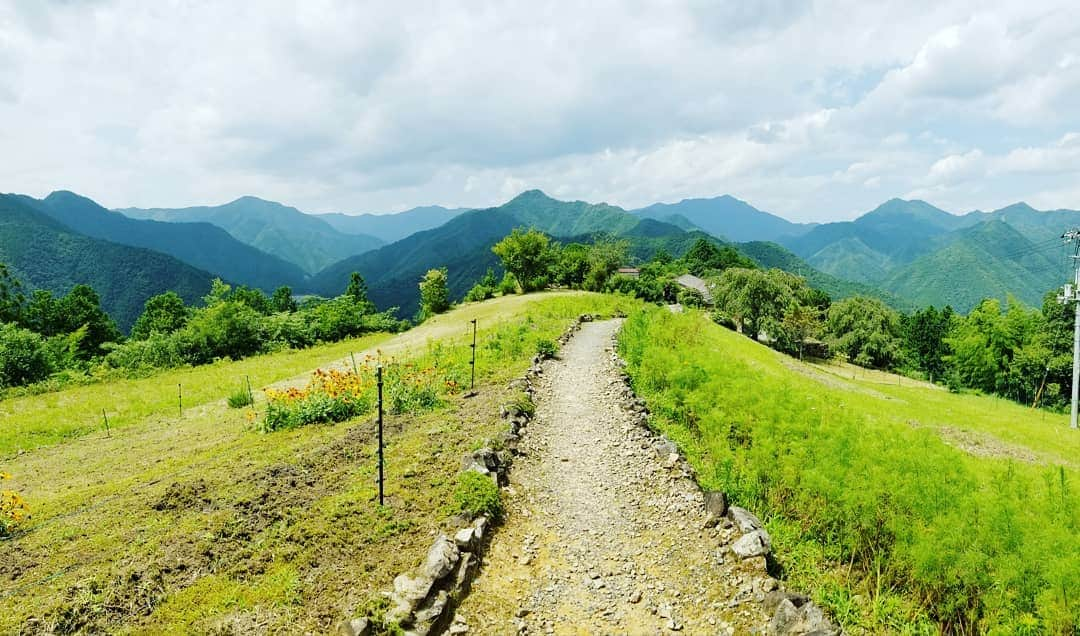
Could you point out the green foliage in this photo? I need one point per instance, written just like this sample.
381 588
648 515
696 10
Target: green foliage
866 331
546 349
477 494
253 298
282 300
527 256
917 534
139 357
23 357
164 313
705 258
12 299
239 398
508 284
434 293
484 288
753 298
998 352
225 329
924 339
357 290
288 331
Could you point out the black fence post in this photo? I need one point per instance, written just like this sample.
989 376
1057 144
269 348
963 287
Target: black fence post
108 433
180 398
379 383
472 380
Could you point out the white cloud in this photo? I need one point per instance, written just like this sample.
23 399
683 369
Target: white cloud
809 111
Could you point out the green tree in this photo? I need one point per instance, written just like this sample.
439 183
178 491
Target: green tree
999 352
12 300
866 331
164 313
605 256
22 356
925 332
484 288
434 293
752 298
81 307
572 265
220 291
282 300
704 258
799 324
527 256
357 289
42 314
254 298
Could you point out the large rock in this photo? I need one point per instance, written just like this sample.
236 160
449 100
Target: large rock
412 588
744 520
752 544
431 615
792 617
441 558
463 578
716 503
355 627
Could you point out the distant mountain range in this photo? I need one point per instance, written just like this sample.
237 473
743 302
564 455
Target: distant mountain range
911 250
464 244
908 252
391 227
203 245
44 253
303 239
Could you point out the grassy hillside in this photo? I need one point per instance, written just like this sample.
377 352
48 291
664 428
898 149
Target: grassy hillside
989 260
201 245
302 239
904 508
44 254
198 524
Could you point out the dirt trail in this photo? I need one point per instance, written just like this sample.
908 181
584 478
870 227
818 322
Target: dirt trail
601 536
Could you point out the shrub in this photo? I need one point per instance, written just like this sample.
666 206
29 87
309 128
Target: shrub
14 511
477 494
23 357
508 285
434 293
287 330
240 398
546 349
407 389
226 329
157 351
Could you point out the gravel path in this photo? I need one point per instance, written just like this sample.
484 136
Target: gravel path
604 536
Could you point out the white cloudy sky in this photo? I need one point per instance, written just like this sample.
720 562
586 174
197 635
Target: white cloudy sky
813 110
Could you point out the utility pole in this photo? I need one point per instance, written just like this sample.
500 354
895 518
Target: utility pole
1071 294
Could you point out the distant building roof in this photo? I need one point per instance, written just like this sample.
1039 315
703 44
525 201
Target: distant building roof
693 282
628 271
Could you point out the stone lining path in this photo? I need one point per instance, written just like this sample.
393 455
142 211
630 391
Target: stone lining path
605 535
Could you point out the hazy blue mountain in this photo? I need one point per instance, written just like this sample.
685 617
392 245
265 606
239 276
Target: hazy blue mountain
1037 226
533 208
987 260
727 217
392 227
45 254
302 239
202 245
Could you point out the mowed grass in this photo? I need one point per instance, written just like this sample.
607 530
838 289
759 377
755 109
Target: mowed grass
198 524
902 507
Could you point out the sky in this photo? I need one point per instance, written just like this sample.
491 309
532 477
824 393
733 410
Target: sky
814 111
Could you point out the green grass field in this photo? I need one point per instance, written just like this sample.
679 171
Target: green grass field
902 507
196 523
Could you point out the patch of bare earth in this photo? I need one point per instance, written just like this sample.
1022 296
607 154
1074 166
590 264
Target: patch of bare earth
602 536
